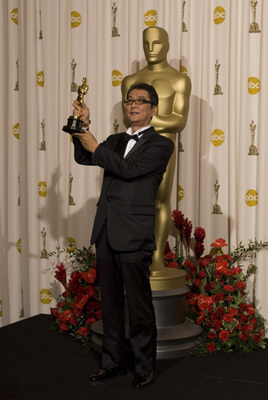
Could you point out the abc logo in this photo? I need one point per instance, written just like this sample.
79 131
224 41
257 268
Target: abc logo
217 137
150 18
76 19
117 78
71 244
16 130
251 198
14 15
45 296
180 193
42 189
184 70
18 245
219 15
254 85
40 78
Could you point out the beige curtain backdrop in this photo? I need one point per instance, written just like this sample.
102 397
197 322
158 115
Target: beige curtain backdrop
47 200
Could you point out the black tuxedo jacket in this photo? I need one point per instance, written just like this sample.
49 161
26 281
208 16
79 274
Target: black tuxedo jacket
129 189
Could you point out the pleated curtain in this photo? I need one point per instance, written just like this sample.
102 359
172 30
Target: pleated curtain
49 201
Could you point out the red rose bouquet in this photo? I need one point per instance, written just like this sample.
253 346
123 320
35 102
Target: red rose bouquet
79 306
218 300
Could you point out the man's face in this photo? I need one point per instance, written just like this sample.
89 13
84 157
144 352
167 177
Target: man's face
139 115
155 45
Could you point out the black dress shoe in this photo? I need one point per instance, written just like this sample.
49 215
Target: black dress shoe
107 373
142 380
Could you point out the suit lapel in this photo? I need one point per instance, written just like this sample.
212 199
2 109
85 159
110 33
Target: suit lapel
145 137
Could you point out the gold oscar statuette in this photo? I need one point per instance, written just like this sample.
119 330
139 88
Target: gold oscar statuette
75 124
17 82
44 253
216 206
73 84
43 143
173 89
253 151
22 314
217 88
184 29
71 199
40 31
114 28
116 126
254 26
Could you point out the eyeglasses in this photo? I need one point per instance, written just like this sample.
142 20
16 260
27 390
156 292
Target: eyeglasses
138 101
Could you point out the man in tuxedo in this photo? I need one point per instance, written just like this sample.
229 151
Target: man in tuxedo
134 163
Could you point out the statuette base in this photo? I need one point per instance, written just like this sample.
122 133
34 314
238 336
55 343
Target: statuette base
217 90
43 254
254 28
115 32
74 125
253 151
71 201
216 209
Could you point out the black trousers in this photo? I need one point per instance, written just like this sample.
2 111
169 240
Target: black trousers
129 272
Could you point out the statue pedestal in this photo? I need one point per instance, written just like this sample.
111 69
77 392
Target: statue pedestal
175 336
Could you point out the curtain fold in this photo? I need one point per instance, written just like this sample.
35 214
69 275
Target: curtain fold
47 200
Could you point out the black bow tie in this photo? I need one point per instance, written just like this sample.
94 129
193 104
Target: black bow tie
129 137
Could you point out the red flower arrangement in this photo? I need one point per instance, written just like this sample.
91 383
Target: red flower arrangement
78 307
217 299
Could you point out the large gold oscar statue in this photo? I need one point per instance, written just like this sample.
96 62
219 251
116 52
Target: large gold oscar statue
173 88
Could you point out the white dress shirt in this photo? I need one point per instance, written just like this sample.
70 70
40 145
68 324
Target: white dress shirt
132 142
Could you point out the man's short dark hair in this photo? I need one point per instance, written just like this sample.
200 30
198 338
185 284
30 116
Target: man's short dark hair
150 89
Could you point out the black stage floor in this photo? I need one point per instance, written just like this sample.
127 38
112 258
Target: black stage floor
38 363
